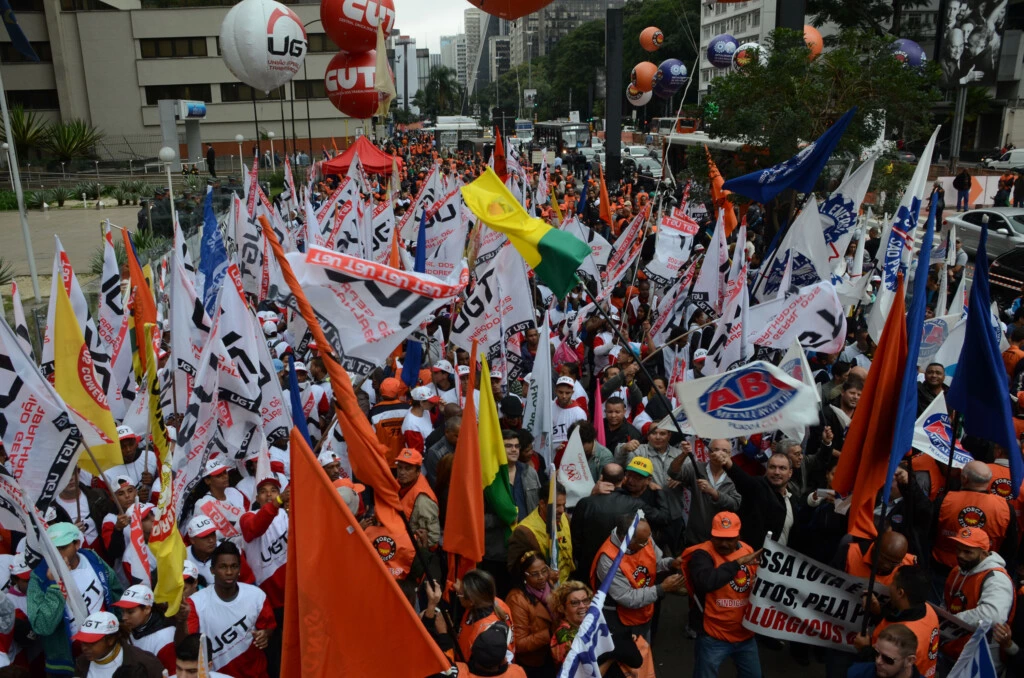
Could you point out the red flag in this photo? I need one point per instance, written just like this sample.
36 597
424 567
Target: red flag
720 196
464 524
598 407
344 614
606 204
865 459
500 166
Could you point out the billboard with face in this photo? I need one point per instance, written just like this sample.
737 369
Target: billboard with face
971 41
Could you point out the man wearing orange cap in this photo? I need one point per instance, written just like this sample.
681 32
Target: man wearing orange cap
418 501
720 577
978 589
387 417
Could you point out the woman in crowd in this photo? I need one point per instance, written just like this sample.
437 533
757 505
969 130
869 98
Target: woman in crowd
570 603
483 607
532 616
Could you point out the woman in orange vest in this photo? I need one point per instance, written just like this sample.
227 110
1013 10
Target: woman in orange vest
488 656
478 595
720 576
533 620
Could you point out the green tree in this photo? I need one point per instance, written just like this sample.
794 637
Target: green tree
882 17
29 131
442 95
71 140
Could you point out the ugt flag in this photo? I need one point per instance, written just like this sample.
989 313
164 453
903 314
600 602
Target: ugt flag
799 172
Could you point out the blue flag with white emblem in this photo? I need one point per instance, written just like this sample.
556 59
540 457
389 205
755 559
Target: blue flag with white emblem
593 638
14 31
799 172
213 264
975 660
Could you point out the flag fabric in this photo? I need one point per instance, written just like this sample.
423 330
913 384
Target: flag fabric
319 641
581 206
839 213
574 472
298 414
498 160
554 255
606 203
720 196
14 32
493 460
382 80
975 660
593 638
799 172
537 413
980 386
213 265
464 522
76 382
192 327
144 308
112 326
556 207
933 432
413 346
709 289
599 415
804 243
906 412
20 325
865 460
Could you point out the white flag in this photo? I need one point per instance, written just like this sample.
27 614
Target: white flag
814 316
20 325
839 213
431 191
805 243
709 290
574 472
382 231
446 227
537 414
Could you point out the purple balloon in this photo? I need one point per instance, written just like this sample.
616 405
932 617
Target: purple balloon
909 52
720 50
671 75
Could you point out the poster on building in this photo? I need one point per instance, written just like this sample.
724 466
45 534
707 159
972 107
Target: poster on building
972 41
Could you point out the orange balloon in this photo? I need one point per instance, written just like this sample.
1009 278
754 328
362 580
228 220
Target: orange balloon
651 38
510 9
814 42
643 76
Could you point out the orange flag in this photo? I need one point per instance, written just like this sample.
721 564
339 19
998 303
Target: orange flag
344 614
394 258
500 166
720 196
865 460
464 523
144 307
606 204
366 454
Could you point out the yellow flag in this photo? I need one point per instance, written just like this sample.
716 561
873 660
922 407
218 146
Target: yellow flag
165 541
385 86
76 382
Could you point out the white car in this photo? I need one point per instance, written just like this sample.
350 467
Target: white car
636 151
1009 160
1005 229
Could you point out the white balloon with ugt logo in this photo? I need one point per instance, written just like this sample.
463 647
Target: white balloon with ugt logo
263 43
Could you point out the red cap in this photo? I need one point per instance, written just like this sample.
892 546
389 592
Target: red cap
725 525
973 538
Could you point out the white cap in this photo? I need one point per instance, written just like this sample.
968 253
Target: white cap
136 596
143 509
200 526
463 370
270 329
125 432
18 565
424 394
189 569
443 366
566 381
214 467
122 481
700 354
497 374
281 348
327 457
96 626
301 367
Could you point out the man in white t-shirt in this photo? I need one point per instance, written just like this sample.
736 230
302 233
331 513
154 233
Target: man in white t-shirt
416 425
565 412
443 376
139 465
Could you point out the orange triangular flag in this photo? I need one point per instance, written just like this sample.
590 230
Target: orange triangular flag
394 258
144 308
720 196
464 523
606 205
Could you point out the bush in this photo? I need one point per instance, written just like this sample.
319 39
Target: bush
8 200
33 200
96 263
6 272
122 196
108 190
91 189
59 195
276 179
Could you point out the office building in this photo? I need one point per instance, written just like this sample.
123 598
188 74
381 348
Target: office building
524 39
562 17
498 53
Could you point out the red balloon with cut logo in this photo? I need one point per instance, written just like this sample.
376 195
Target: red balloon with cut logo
350 81
352 24
510 9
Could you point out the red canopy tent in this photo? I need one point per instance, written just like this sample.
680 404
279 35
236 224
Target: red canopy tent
375 161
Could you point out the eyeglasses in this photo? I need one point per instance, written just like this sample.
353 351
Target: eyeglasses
578 603
539 574
886 659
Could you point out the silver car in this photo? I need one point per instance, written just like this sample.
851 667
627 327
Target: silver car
1005 229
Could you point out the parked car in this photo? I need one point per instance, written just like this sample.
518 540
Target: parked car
588 153
636 151
901 156
1009 160
1005 228
1006 277
597 144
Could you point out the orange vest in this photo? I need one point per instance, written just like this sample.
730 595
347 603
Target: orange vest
1001 487
969 509
468 632
724 608
936 474
409 496
640 569
967 598
397 558
858 564
513 671
927 631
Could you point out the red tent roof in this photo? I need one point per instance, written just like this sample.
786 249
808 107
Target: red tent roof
375 161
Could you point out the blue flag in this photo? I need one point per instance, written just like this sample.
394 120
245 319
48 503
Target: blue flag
799 172
980 388
413 347
593 638
906 415
14 31
298 416
975 659
213 262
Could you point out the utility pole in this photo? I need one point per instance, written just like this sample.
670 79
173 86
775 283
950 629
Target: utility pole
613 98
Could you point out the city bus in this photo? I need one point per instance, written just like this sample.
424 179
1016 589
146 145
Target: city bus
451 129
561 135
665 126
524 130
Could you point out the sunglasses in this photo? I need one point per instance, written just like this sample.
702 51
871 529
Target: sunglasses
886 659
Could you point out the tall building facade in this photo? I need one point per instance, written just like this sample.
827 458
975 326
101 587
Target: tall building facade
524 39
499 59
747 21
474 20
405 64
562 17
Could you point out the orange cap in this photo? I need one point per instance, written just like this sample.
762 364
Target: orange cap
973 538
725 524
410 456
391 387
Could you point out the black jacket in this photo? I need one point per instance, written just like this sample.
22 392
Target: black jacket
623 433
592 522
763 509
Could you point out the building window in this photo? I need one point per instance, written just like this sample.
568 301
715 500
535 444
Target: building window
155 93
34 99
313 89
9 55
27 5
158 4
319 43
85 6
236 91
166 48
755 18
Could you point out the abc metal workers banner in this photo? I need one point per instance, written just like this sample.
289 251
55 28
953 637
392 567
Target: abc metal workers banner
749 399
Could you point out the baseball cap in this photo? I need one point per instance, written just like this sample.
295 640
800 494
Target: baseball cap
142 509
18 567
281 348
511 407
189 570
301 367
274 478
700 354
358 488
200 526
410 456
566 381
327 457
425 394
390 387
96 626
122 481
443 366
725 524
497 374
124 432
270 329
973 538
62 534
641 465
490 646
278 365
215 467
463 370
137 595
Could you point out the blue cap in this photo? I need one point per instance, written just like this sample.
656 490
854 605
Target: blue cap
278 365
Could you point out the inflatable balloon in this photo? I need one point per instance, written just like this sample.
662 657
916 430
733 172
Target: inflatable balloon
909 52
351 83
720 50
636 96
510 9
643 76
352 24
747 53
263 43
671 76
651 39
814 42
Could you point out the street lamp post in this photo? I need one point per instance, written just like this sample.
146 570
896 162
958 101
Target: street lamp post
167 156
241 159
273 163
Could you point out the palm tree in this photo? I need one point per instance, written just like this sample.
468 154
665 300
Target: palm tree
71 140
29 131
442 94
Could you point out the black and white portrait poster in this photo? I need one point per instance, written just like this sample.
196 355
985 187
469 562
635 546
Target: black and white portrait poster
972 40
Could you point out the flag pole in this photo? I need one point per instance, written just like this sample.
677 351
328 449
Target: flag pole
110 492
876 546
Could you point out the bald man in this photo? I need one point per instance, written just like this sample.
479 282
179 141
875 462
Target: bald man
974 507
892 554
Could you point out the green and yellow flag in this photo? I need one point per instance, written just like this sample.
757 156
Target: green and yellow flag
165 541
553 254
493 460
